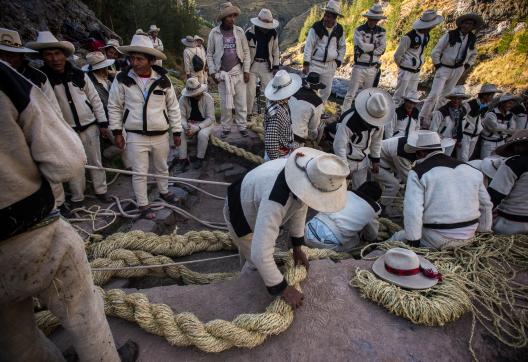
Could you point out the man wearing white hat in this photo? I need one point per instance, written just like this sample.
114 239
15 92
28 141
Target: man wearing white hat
278 136
475 109
405 118
194 60
345 229
488 166
454 53
229 63
360 133
80 105
143 102
520 112
263 42
509 186
277 195
497 125
369 46
12 51
156 41
111 51
41 255
409 57
325 47
198 116
445 199
97 69
448 120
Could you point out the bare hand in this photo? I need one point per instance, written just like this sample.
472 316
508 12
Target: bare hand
306 69
177 140
299 257
246 77
375 167
292 296
213 76
119 141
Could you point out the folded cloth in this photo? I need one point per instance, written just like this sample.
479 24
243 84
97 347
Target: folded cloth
227 78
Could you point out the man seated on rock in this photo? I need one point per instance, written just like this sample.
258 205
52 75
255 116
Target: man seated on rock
497 125
306 108
445 199
277 194
405 118
509 187
197 111
345 229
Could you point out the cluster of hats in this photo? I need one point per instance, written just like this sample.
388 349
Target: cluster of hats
190 41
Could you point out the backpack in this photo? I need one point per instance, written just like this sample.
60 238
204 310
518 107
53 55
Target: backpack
197 63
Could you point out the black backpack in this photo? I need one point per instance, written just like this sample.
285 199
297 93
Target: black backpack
197 63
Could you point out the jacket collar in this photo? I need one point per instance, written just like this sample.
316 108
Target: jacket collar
70 75
432 154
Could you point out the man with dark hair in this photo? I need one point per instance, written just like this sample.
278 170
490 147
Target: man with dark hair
497 125
405 119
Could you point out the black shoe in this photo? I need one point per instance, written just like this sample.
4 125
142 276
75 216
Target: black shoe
128 352
198 163
104 198
225 134
244 133
182 165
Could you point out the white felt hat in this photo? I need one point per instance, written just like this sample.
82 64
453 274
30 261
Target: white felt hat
412 96
428 20
96 60
406 269
193 87
265 20
333 7
189 41
488 166
375 106
46 40
142 44
375 12
282 86
10 42
426 140
470 16
317 178
153 28
489 88
458 92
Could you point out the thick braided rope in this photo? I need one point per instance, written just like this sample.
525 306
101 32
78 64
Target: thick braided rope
387 228
236 150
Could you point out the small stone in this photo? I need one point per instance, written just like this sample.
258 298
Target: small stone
165 217
148 226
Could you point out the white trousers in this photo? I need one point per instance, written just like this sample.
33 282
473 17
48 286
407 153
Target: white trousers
407 82
142 150
326 73
92 147
389 183
202 139
358 172
258 71
360 78
444 81
430 239
240 103
508 227
50 263
467 147
488 147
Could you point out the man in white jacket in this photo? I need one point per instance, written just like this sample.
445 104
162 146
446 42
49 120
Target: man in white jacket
454 53
194 59
409 57
445 199
405 119
156 41
277 194
143 102
229 62
360 133
369 46
325 47
344 230
497 125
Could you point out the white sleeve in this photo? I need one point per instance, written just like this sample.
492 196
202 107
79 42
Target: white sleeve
173 110
116 105
341 139
405 42
486 210
95 101
439 48
413 207
309 46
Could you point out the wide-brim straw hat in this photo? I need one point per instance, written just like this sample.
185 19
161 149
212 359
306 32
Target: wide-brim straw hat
458 92
479 22
375 106
488 88
46 40
189 41
519 137
227 9
198 37
265 20
313 81
153 28
318 179
333 7
193 87
507 97
142 44
488 166
97 60
428 20
375 12
112 43
412 96
406 269
426 140
283 86
10 42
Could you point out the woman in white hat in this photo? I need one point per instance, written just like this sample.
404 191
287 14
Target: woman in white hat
198 116
405 119
497 125
369 46
448 120
194 59
156 41
278 141
409 57
360 132
276 195
263 42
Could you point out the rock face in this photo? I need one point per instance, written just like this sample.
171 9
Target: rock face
334 324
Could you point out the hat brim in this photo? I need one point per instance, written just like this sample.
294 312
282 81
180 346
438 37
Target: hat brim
201 90
127 49
463 96
314 86
361 106
419 24
506 150
68 47
301 186
325 9
151 30
488 166
261 24
187 43
22 50
112 46
417 281
375 17
413 100
232 10
104 64
444 144
479 22
285 92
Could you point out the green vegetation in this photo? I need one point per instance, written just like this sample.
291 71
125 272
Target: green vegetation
506 40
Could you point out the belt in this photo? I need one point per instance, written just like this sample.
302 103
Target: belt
470 134
148 133
455 225
84 128
260 60
511 217
367 64
493 140
410 69
452 66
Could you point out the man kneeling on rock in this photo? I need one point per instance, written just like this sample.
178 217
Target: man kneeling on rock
277 194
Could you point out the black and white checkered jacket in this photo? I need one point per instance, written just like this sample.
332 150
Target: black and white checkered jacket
278 140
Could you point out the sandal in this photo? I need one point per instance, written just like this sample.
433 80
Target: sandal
145 213
169 198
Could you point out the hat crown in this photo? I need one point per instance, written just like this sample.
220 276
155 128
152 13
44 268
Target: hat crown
377 105
225 5
192 84
506 97
281 79
46 37
458 91
94 58
190 38
424 139
333 5
141 41
112 42
325 172
429 15
376 9
10 38
265 15
313 78
153 28
401 259
489 88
